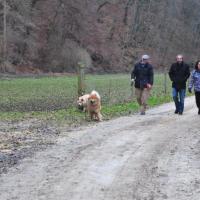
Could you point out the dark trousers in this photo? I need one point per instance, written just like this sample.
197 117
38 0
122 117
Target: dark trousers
197 96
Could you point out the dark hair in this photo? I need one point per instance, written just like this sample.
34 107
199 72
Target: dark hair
196 65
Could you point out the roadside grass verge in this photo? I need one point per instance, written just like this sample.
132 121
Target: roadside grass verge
54 98
73 117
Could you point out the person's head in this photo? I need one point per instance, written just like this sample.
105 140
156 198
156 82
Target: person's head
145 58
197 65
179 58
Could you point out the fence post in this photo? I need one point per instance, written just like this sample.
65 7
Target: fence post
165 81
132 91
81 79
109 92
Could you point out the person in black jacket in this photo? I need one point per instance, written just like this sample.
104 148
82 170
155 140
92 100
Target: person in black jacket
179 73
142 76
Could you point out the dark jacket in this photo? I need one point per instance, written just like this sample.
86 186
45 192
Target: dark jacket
179 73
143 75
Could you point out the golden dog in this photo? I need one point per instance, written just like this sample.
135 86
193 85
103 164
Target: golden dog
94 106
82 102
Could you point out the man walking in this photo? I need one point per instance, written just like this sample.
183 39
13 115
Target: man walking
179 73
142 75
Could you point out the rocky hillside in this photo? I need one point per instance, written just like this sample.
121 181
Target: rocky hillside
53 35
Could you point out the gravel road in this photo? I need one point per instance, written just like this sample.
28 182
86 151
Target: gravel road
151 157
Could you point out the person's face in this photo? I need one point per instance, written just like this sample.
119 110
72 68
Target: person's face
179 59
199 66
145 61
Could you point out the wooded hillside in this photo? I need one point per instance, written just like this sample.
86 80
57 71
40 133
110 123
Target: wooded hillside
53 35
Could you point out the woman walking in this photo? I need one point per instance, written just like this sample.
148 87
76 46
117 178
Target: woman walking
195 81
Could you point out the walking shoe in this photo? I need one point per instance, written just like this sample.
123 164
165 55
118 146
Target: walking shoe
180 113
176 112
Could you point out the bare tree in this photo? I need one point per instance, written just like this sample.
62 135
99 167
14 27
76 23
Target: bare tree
3 4
5 33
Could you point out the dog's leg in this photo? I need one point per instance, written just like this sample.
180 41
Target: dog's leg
85 114
91 116
99 117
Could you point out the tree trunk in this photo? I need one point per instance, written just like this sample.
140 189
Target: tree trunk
4 35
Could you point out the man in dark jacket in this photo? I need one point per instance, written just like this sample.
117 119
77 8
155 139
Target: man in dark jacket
179 73
142 75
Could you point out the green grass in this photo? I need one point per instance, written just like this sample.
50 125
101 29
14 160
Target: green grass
73 116
26 94
53 98
53 93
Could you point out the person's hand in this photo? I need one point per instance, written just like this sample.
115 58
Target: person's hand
132 82
149 86
190 90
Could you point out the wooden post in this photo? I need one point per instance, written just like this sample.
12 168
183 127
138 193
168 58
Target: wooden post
81 79
165 81
109 93
132 92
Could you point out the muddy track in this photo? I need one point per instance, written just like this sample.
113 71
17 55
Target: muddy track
151 157
19 140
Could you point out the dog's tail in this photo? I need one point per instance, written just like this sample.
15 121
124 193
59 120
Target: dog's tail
96 94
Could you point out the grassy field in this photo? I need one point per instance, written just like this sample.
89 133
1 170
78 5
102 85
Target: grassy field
55 97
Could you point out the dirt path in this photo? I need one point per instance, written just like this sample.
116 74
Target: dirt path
151 157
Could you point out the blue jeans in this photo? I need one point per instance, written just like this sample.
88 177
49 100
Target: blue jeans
178 97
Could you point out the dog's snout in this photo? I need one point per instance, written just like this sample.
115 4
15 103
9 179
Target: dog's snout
92 101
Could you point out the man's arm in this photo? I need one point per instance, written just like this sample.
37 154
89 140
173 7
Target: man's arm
171 73
187 73
151 75
133 74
